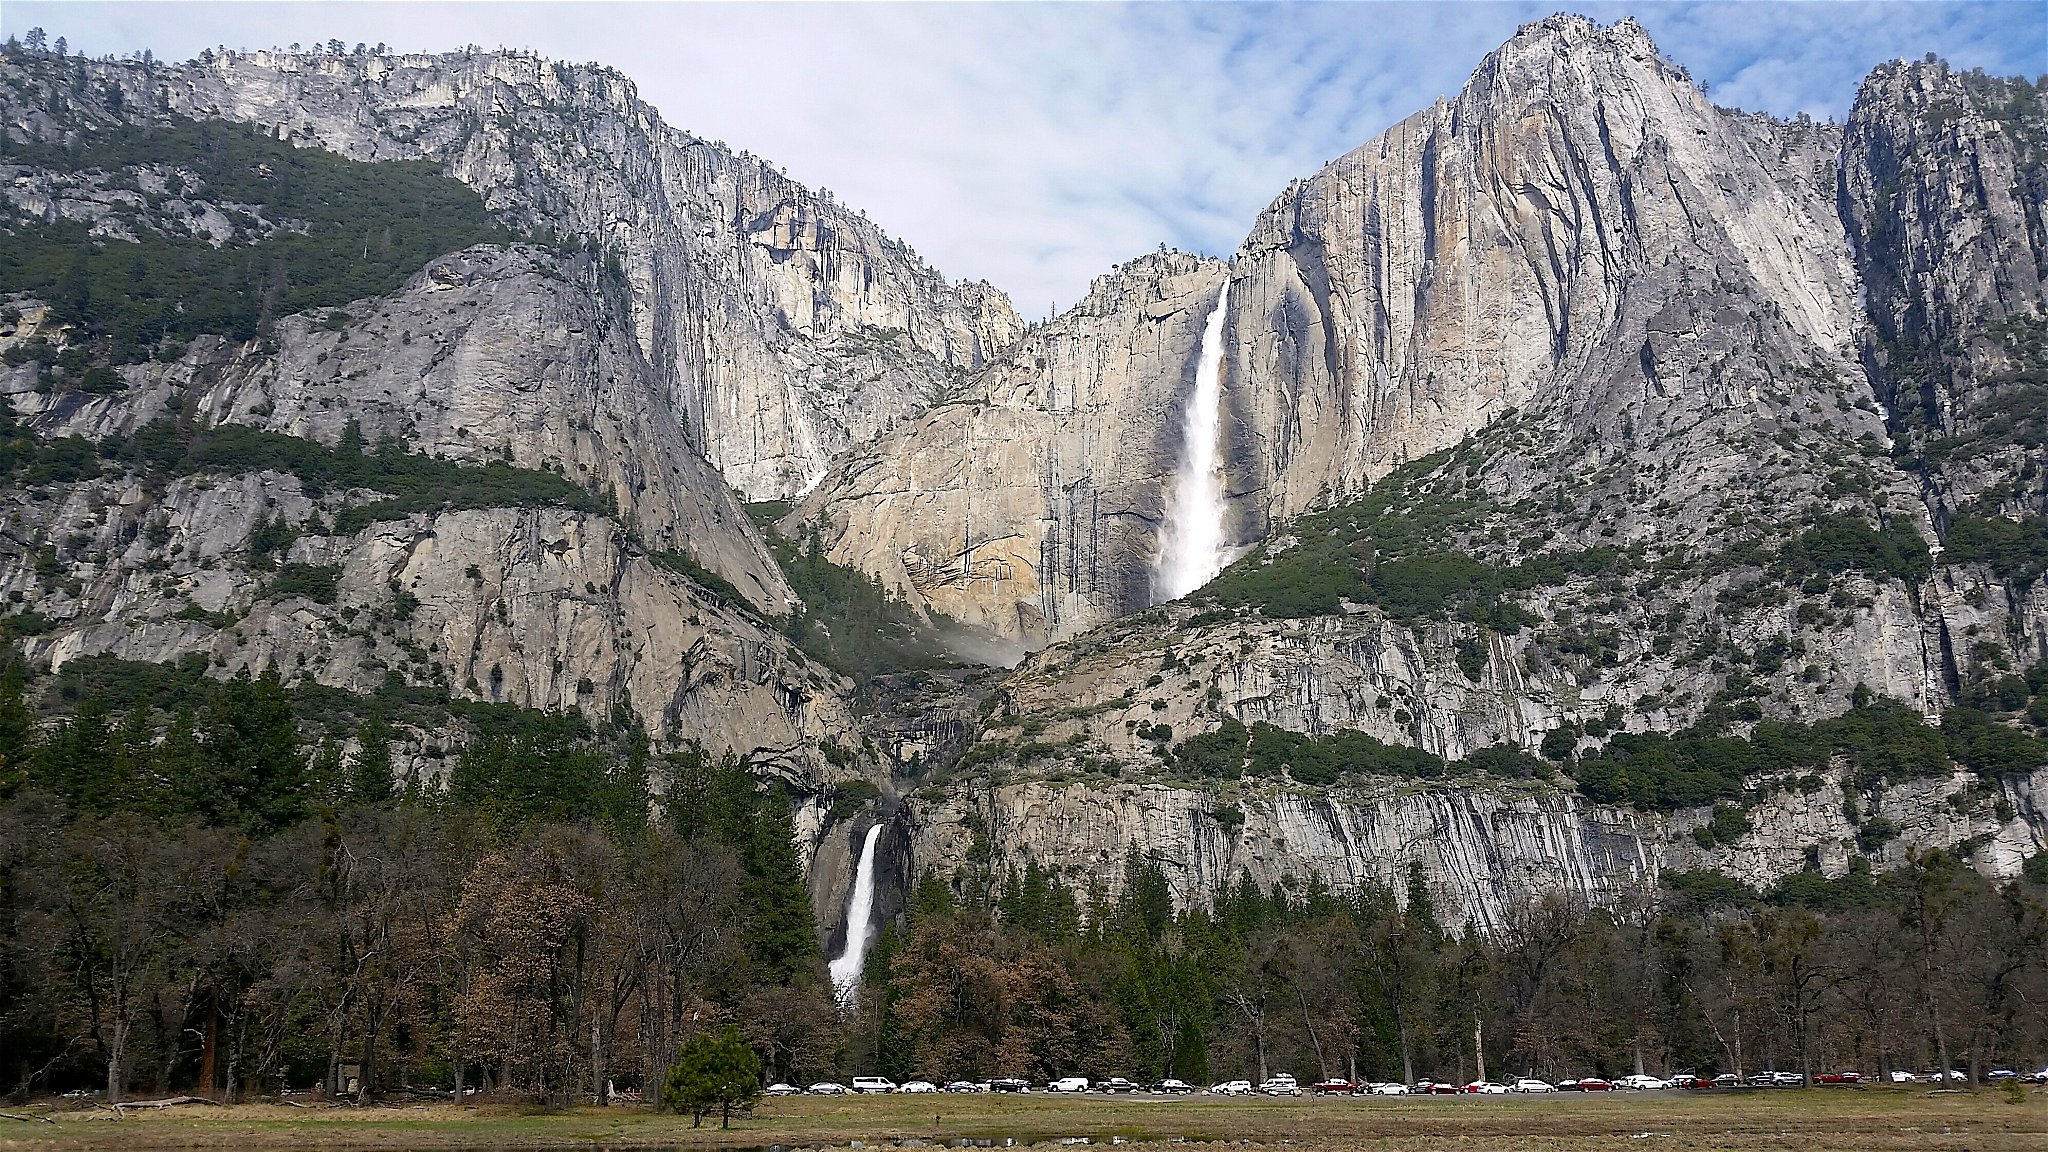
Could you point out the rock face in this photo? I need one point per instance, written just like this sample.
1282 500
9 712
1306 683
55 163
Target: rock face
1621 317
1577 310
486 355
1029 506
1578 232
1485 849
783 326
1944 177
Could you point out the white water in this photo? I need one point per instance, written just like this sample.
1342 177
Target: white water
1191 541
859 912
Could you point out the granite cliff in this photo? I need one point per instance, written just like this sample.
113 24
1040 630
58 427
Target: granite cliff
780 324
1573 427
1029 504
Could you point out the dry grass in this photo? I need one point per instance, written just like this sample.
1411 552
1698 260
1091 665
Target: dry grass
1863 1121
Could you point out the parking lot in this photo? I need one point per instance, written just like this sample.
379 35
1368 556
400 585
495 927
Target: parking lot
1284 1085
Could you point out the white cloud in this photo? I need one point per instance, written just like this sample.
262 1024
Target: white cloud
1035 145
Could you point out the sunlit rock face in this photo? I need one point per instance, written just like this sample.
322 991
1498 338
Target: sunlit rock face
1030 506
1578 232
783 325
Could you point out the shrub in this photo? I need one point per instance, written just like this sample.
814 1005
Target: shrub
315 582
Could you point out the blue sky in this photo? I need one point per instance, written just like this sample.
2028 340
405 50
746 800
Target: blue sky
1035 145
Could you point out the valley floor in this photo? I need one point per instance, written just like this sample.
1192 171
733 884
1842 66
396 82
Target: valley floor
1866 1121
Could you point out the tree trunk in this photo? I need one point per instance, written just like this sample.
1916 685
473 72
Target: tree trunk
117 1058
1407 1056
1322 1065
596 1065
208 1073
1478 1048
1941 1043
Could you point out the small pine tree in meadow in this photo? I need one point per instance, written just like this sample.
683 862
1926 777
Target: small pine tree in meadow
714 1071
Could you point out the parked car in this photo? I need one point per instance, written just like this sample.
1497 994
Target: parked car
918 1086
1173 1087
826 1088
1901 1076
2040 1077
1335 1086
1116 1084
1281 1084
1232 1088
1691 1082
1838 1078
779 1089
1485 1088
873 1084
1432 1088
1068 1084
1531 1084
965 1086
1009 1084
2000 1075
1386 1089
1595 1084
1727 1080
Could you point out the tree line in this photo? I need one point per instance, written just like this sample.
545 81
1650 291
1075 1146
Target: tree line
201 890
1930 966
206 900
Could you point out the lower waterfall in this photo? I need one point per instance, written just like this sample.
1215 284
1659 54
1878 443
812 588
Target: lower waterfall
860 912
1191 540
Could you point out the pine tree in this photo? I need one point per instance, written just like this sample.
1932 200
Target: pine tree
17 730
370 777
713 1071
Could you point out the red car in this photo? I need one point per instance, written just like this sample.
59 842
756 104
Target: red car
1595 1084
1431 1088
1838 1078
1334 1087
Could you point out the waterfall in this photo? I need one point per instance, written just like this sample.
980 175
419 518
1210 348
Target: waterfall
1191 541
860 911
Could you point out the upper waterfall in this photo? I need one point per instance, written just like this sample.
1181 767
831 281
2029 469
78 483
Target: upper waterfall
860 911
1191 541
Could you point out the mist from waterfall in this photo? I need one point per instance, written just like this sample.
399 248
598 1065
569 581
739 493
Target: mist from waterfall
1191 540
860 914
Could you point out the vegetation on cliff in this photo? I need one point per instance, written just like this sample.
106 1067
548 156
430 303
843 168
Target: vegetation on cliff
312 230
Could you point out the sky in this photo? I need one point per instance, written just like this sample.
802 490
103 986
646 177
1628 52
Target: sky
1035 145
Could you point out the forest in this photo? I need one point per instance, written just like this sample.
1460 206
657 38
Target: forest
196 896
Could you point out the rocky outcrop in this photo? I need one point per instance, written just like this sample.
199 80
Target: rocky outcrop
1944 183
491 355
540 607
1029 506
1486 848
487 355
782 325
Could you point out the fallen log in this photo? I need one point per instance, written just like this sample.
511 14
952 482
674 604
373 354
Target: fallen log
26 1119
121 1109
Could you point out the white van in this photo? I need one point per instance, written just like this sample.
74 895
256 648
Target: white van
873 1084
1068 1084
